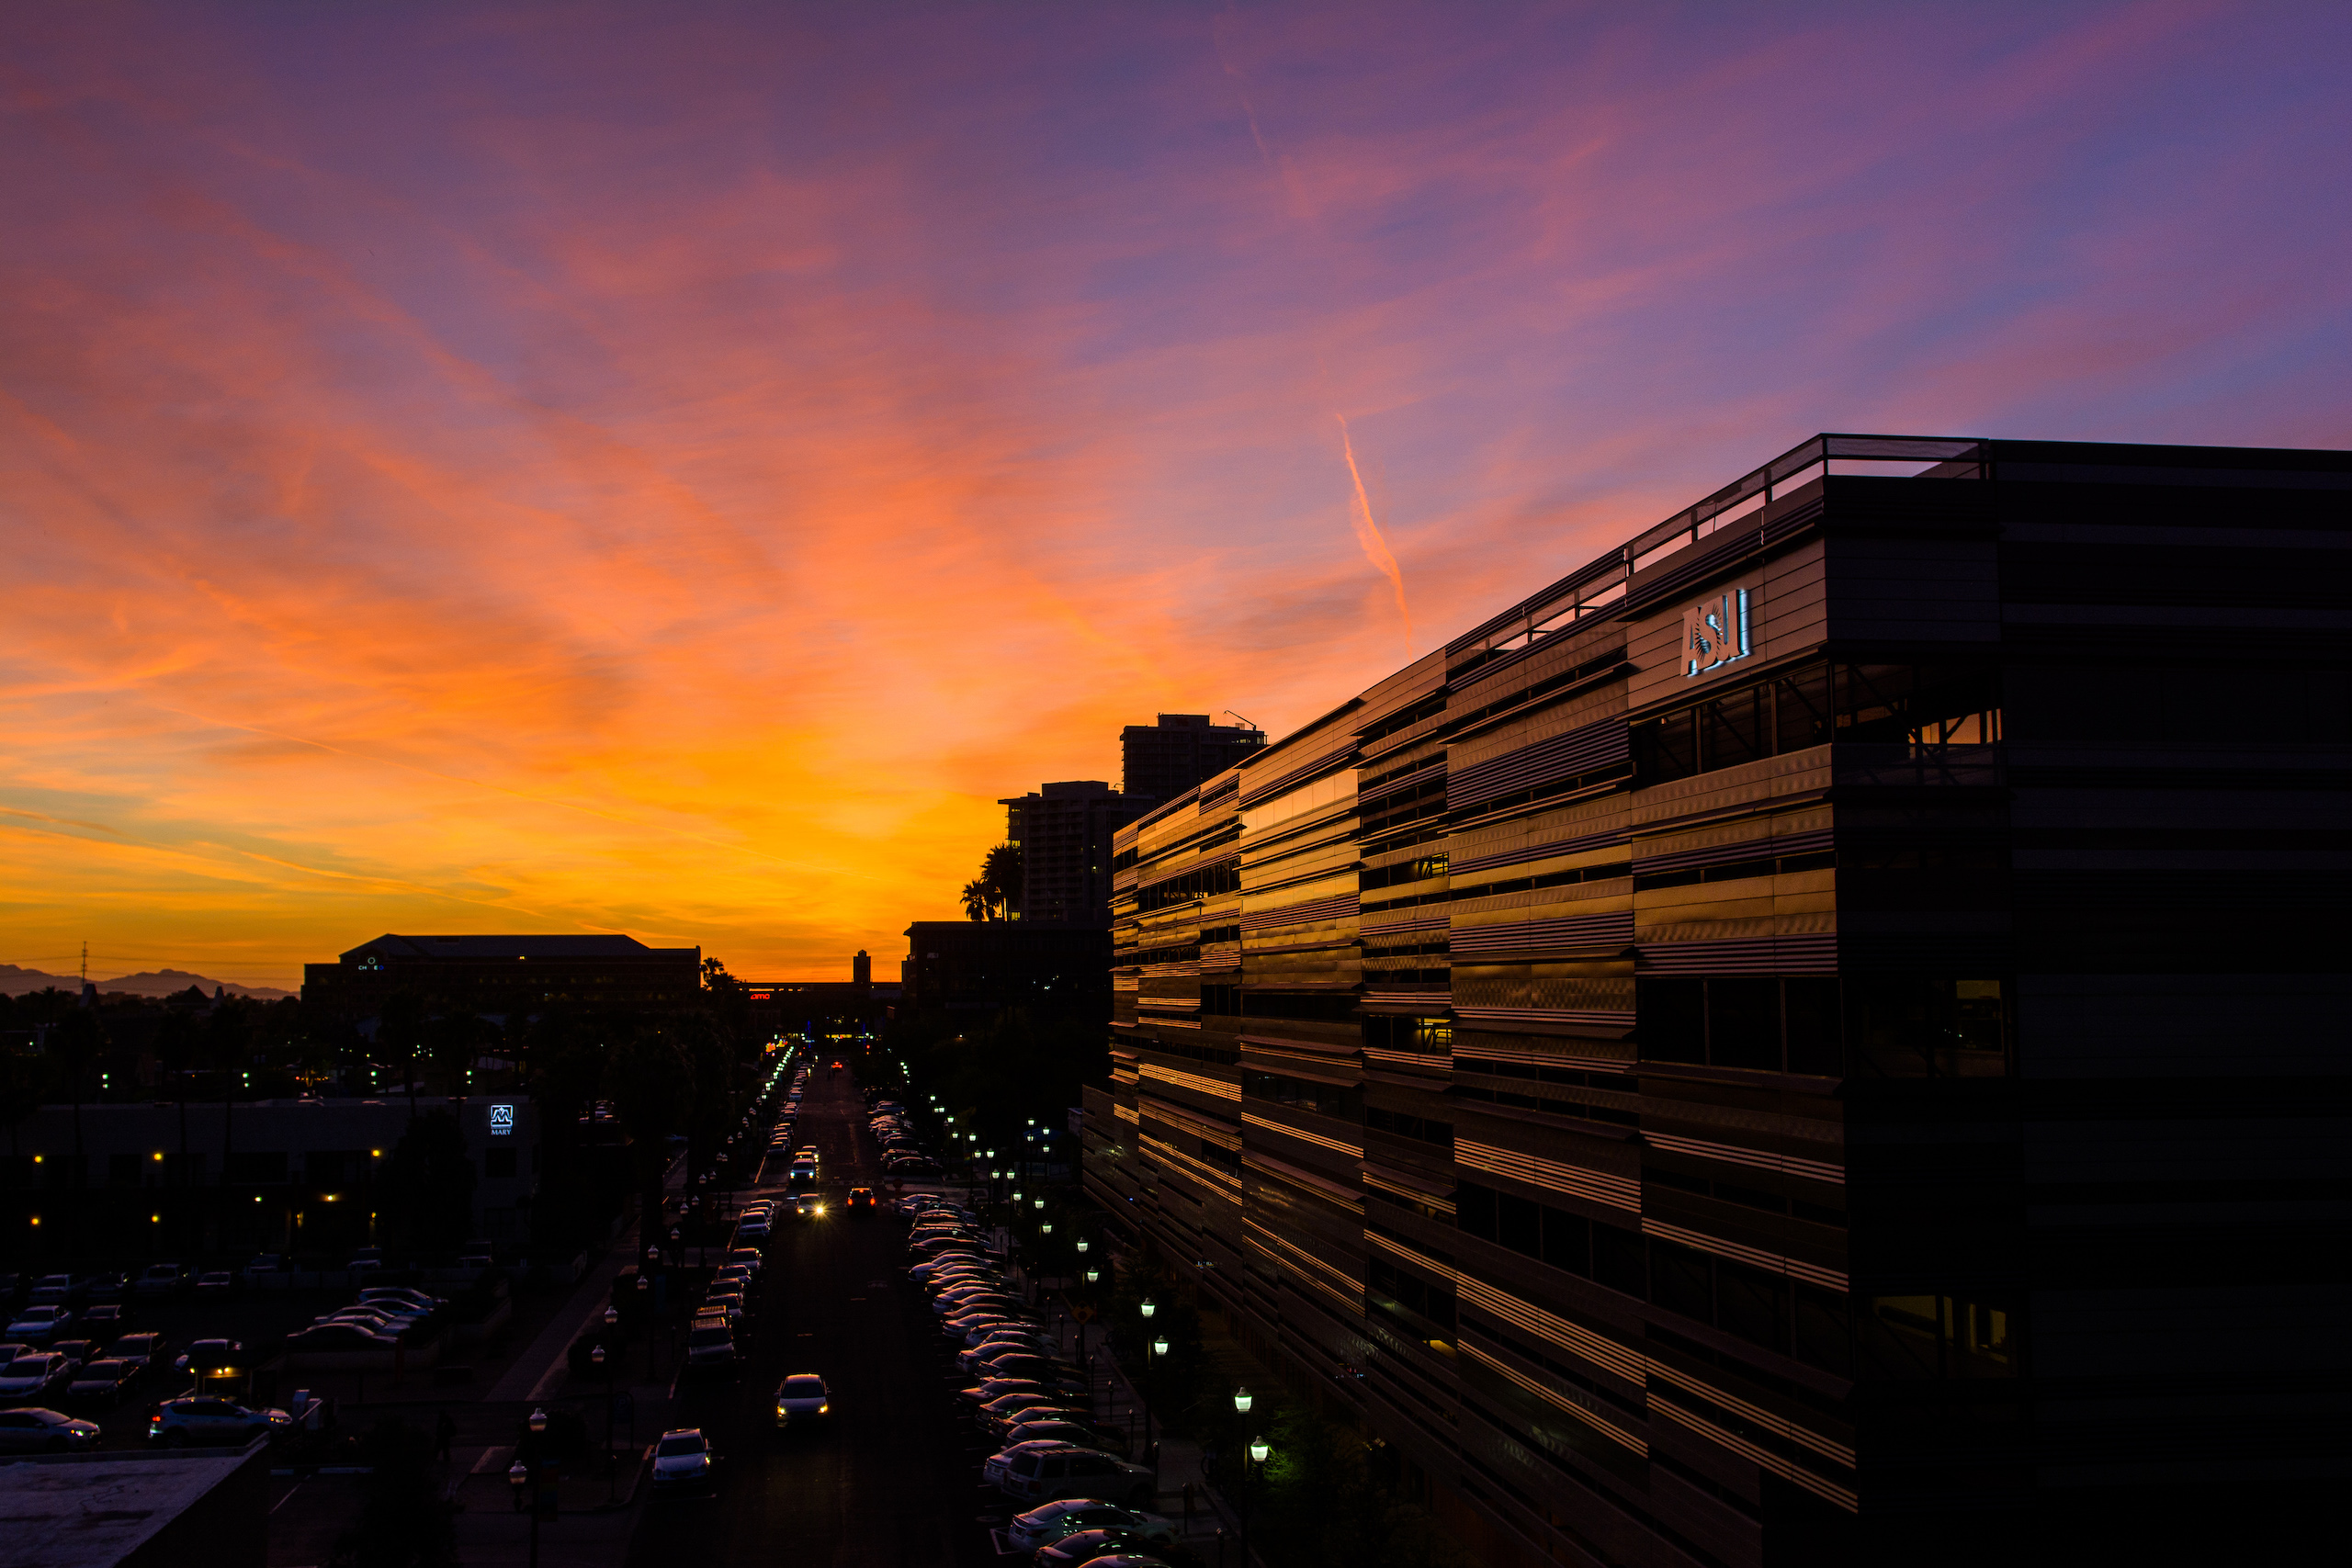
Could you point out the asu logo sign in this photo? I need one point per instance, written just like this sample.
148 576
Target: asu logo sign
1715 633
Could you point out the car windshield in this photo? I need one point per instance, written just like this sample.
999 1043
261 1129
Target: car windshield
673 1447
804 1388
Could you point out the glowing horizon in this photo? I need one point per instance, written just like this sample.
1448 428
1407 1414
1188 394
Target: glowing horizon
552 471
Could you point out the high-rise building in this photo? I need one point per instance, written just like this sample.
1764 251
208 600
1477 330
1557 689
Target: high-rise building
1816 1038
1064 831
1161 760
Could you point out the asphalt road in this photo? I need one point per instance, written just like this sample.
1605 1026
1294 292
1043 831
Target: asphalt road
895 1479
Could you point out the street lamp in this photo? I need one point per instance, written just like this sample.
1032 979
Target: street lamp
1259 1449
1242 1400
1159 1347
1081 1244
1092 1275
1148 1308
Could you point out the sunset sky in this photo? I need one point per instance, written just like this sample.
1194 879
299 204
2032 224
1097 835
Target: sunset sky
669 469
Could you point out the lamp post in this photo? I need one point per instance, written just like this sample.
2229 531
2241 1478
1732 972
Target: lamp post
644 1316
527 1480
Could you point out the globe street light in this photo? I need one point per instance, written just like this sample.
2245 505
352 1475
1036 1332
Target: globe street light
1148 1308
1242 1400
1259 1449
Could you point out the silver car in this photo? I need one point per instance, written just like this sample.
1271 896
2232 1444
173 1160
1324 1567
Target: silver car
30 1377
44 1431
1040 1526
1052 1474
682 1459
40 1324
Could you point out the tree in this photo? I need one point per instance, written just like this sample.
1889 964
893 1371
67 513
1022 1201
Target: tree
453 1039
399 1034
74 1043
978 903
647 1083
227 1045
429 1202
21 1080
1000 869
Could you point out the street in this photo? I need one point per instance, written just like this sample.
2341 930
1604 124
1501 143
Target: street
893 1479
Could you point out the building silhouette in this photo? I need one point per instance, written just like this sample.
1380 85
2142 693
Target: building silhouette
502 975
1064 831
1808 1040
1159 761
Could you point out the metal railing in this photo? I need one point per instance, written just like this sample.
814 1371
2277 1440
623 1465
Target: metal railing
1600 583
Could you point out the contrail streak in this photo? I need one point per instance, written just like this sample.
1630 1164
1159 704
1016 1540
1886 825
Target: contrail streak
1368 534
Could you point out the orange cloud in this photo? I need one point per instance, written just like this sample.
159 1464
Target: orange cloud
542 469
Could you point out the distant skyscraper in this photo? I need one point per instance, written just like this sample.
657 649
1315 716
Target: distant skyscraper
1064 831
1162 761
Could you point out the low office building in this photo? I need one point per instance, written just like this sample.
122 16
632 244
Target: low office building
503 976
1817 1037
267 1175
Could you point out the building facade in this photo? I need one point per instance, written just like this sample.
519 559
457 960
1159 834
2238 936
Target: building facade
1064 830
501 975
1162 760
1817 1036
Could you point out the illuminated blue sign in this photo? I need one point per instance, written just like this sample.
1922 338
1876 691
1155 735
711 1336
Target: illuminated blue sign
1715 633
501 1120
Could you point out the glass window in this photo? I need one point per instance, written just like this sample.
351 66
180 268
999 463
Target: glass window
1744 1024
1801 714
1567 1241
1913 1026
1474 1209
1679 1280
1672 1019
1821 1335
1731 728
1617 1260
1752 1304
1519 1224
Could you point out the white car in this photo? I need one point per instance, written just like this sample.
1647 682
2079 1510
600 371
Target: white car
802 1400
30 1377
1048 1471
1042 1526
682 1459
40 1324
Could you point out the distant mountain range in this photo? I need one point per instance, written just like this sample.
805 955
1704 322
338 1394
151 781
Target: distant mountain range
16 982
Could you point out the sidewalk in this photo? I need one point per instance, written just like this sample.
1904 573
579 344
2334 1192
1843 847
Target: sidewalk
597 1516
1180 1461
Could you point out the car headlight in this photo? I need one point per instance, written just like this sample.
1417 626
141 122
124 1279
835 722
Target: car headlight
824 1410
782 1411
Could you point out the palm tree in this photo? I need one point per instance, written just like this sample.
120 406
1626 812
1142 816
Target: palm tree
1000 870
980 900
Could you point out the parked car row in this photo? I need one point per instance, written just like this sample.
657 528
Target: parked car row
1085 1501
902 1150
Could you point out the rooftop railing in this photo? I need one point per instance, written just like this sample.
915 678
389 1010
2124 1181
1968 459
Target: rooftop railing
1600 583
